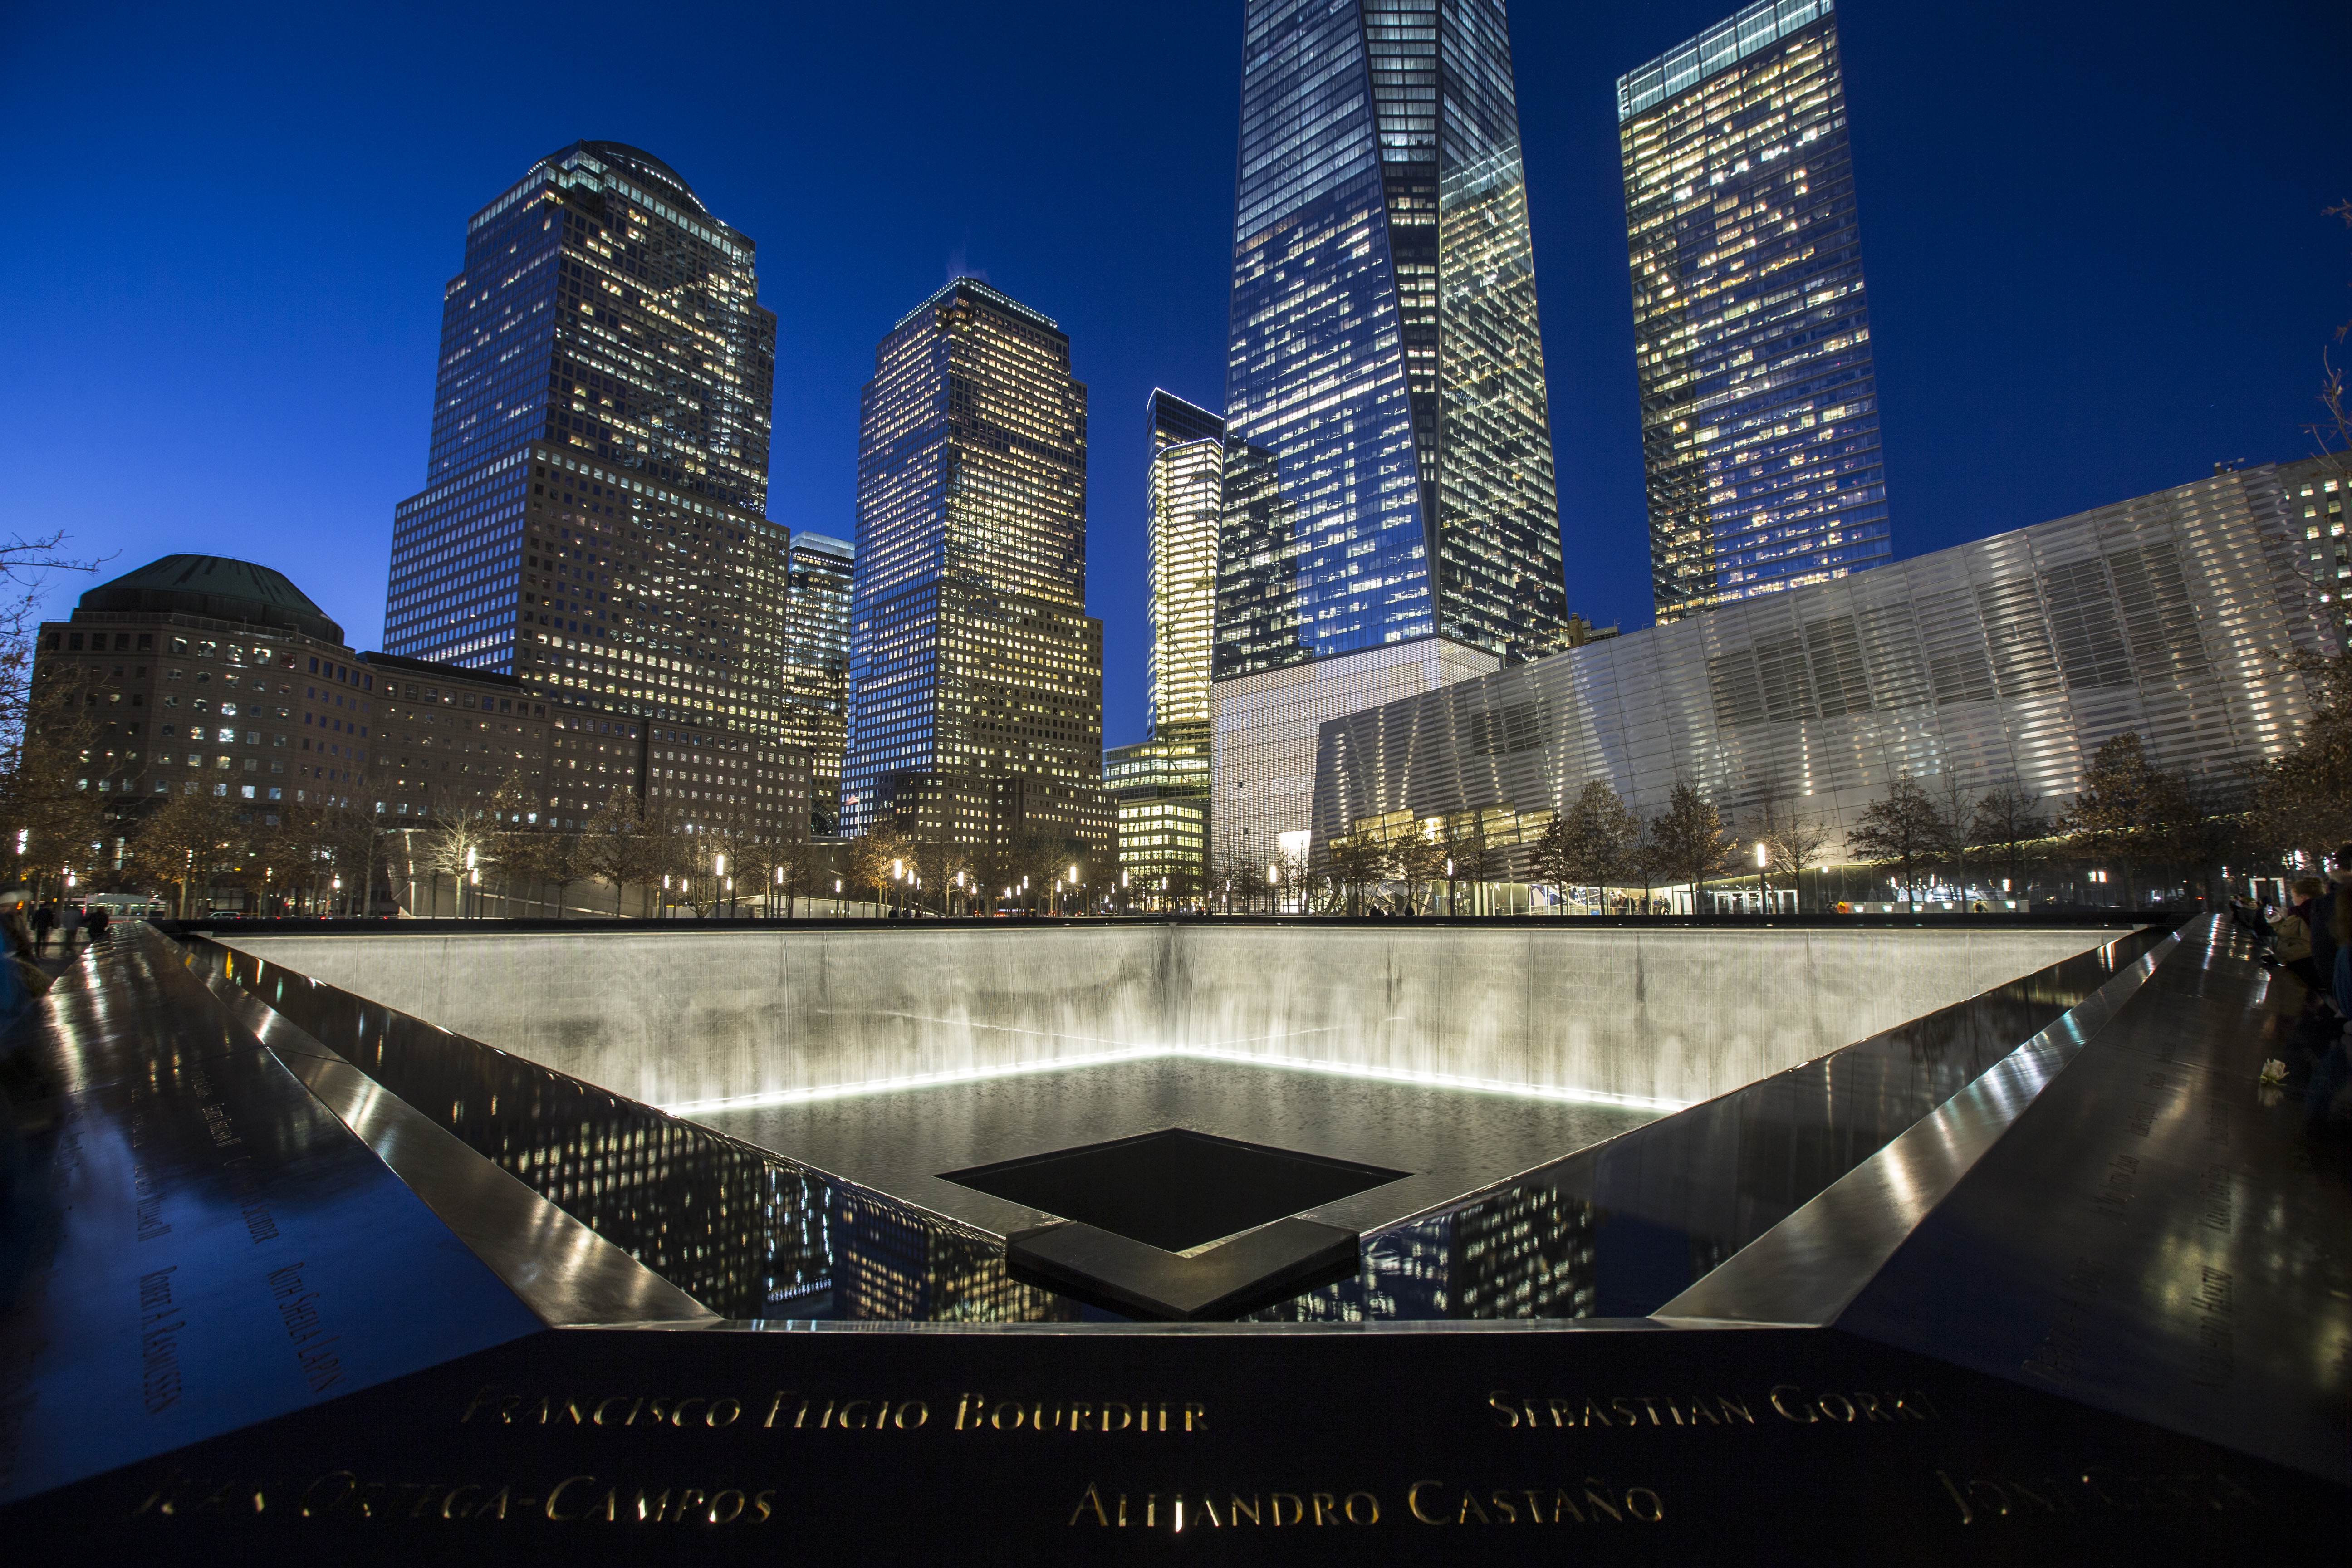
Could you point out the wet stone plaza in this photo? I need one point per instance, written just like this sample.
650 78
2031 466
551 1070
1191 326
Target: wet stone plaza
1791 1240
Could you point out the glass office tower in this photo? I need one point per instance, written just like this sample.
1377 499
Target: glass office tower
1760 406
1388 476
815 685
976 674
1393 468
1160 787
592 521
1184 491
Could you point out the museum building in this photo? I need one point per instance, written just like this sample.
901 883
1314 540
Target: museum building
2013 658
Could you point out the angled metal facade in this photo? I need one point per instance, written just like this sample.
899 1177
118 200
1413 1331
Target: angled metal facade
2012 658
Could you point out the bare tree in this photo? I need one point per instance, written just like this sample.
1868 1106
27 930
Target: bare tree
625 842
185 840
461 843
24 567
1954 814
2009 826
878 860
1791 838
1903 831
1418 861
1691 844
2118 814
1286 877
1462 839
1358 864
53 819
1592 843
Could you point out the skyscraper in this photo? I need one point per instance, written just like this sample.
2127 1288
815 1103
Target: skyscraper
1183 493
1760 406
1391 521
976 674
592 523
1161 785
815 689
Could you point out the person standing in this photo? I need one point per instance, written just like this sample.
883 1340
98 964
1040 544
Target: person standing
43 919
69 922
98 920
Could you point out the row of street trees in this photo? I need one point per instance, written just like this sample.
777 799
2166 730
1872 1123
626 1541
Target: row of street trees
507 857
1034 873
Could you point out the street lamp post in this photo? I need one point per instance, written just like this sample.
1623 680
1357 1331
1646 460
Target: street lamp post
1763 858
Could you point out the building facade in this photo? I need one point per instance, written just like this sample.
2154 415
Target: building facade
815 690
1160 787
203 675
451 740
2014 658
1183 490
1760 404
1389 473
592 523
198 674
1160 791
2315 490
976 674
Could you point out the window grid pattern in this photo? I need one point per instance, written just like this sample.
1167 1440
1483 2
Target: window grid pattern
1760 405
1183 494
2013 658
1384 378
975 675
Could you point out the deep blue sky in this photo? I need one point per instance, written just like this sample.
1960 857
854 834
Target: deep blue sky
2093 236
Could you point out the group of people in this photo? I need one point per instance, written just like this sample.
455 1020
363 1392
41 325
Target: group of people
2310 995
66 922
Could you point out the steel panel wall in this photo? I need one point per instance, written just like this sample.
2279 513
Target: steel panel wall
2013 657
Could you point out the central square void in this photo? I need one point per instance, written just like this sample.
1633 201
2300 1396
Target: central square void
1174 1189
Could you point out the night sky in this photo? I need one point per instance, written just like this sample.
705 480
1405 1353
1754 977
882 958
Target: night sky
2096 257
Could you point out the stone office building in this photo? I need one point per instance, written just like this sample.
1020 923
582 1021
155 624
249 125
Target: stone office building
2013 658
207 674
202 674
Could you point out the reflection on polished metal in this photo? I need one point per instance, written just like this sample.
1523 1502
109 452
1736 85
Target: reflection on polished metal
726 1225
1452 1141
2012 658
212 1248
561 1269
1118 1272
2159 1234
1807 1267
2148 1237
1618 1229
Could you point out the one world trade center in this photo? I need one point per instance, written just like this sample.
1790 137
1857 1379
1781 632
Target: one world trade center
1391 522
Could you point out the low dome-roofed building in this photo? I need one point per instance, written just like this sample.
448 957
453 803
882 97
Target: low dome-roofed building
217 587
